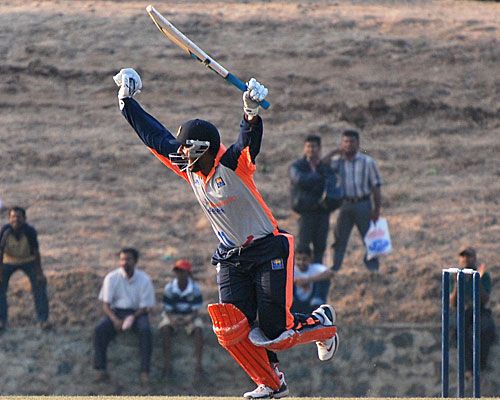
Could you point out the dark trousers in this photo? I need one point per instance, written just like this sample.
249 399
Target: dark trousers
39 290
488 336
313 229
105 332
259 281
351 214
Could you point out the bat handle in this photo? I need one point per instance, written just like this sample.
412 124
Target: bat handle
234 80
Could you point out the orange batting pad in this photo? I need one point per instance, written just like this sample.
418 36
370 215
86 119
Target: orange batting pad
291 337
232 328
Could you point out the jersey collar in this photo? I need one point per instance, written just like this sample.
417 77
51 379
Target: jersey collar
220 153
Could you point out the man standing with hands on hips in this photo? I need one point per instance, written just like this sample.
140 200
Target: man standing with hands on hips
361 182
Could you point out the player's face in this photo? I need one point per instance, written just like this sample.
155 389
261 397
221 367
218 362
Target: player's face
312 150
195 167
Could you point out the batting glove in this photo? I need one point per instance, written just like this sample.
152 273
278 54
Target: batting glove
129 82
252 97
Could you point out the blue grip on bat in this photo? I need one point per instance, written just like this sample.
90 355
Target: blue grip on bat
243 87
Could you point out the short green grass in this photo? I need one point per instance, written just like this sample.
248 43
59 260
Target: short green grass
202 398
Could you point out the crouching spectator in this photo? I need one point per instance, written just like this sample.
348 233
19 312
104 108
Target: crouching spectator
19 250
127 294
311 283
182 299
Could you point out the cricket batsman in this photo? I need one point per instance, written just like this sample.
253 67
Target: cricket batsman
254 258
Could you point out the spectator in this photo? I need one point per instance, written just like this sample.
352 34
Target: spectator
19 250
311 283
307 176
127 294
468 259
360 180
182 299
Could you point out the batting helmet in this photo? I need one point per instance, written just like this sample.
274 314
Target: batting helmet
199 129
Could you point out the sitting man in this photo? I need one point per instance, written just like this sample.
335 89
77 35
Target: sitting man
311 283
127 295
182 299
19 250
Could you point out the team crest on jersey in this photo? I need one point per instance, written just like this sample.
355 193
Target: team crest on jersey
277 263
219 182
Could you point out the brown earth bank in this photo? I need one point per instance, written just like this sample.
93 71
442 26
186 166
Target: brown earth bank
420 79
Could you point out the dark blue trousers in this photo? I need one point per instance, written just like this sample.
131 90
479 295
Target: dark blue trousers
39 290
313 230
105 332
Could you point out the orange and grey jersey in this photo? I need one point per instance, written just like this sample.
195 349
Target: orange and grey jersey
228 195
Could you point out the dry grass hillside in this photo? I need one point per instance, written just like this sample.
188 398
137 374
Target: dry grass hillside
420 79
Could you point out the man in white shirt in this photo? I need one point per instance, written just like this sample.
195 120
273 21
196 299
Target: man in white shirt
127 294
311 283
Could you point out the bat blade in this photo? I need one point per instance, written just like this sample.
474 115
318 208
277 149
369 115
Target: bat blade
191 48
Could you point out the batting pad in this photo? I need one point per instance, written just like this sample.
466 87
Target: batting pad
232 328
291 337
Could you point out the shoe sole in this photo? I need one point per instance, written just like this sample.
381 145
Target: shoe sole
280 395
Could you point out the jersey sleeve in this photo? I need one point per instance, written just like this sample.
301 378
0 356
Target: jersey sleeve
106 293
374 174
153 134
168 301
306 180
241 154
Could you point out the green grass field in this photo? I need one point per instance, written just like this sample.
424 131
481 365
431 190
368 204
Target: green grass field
199 398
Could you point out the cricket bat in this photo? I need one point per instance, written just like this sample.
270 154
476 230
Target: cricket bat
182 41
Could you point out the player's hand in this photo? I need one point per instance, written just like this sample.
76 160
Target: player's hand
253 96
481 269
129 82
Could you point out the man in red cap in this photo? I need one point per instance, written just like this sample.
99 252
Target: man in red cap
182 299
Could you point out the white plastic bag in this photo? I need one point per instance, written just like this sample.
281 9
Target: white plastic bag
378 239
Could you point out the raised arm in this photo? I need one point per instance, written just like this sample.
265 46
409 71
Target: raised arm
246 148
152 133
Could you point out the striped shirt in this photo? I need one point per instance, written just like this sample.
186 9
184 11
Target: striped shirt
358 176
177 301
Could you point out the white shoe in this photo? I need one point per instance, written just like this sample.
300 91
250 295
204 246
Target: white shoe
326 314
326 349
261 392
264 392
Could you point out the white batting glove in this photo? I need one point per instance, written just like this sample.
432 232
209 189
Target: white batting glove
129 82
252 97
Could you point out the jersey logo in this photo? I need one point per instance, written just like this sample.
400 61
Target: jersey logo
277 264
219 182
